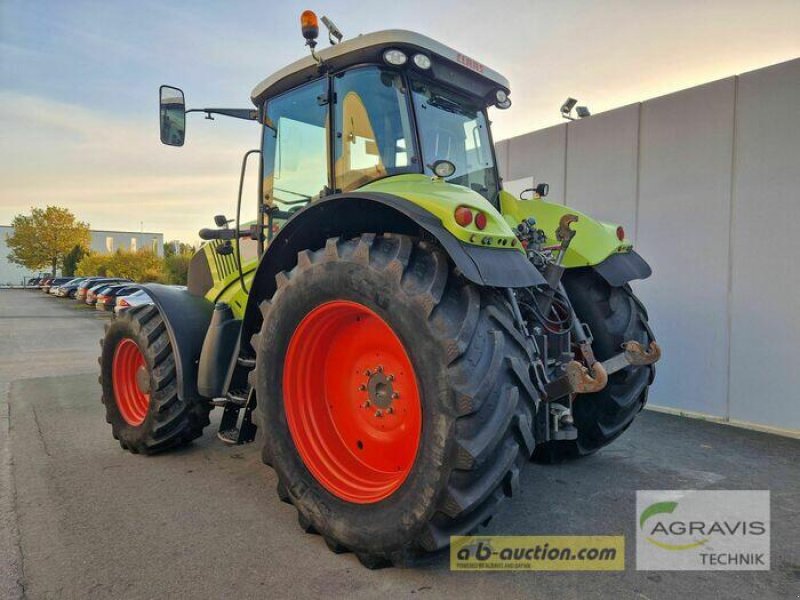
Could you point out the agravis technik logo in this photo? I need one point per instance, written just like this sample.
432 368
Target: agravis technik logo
702 530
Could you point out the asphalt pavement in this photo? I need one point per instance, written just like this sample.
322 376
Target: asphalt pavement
80 518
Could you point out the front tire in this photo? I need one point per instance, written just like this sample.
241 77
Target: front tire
140 388
465 400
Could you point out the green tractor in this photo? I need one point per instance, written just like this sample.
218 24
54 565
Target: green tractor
403 334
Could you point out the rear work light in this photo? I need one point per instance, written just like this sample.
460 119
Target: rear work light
122 302
463 216
620 233
480 221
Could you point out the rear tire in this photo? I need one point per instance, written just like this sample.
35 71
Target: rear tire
614 315
471 370
140 388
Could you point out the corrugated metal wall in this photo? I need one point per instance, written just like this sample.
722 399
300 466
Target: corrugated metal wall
706 182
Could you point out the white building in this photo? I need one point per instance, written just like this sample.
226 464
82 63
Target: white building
100 241
706 182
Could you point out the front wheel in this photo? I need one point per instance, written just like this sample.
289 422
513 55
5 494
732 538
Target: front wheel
394 396
140 393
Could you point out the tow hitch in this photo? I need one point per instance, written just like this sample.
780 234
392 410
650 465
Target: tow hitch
578 379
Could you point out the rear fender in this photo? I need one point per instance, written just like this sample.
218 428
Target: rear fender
349 215
595 244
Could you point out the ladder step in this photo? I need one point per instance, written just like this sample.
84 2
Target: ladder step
229 436
249 363
237 398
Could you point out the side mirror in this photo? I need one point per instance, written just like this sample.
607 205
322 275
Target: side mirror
221 221
172 115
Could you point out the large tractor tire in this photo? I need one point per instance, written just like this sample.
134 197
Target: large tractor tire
614 315
394 397
140 393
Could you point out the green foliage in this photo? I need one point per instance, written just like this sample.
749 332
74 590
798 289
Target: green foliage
143 265
175 247
93 264
71 260
43 238
177 267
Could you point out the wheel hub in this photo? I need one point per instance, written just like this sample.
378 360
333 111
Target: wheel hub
380 389
352 402
143 379
131 381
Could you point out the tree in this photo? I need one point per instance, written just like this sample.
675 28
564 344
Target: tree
44 238
175 247
143 265
177 267
71 260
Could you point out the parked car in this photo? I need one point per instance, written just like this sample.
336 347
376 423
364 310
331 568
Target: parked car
33 282
139 298
83 288
45 283
107 298
55 282
56 285
68 289
91 293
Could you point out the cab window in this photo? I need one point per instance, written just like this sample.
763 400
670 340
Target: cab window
373 136
453 127
295 151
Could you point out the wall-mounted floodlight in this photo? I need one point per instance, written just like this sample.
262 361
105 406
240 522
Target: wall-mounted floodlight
566 108
583 112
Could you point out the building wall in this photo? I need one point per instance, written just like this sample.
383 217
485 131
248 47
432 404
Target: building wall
705 182
100 241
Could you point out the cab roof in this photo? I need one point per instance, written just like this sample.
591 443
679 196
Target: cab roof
448 65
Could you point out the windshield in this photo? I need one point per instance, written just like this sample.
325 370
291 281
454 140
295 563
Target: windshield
453 127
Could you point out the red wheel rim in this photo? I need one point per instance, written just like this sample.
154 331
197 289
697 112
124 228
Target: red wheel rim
352 402
131 381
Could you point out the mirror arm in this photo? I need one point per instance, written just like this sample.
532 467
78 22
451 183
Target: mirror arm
237 113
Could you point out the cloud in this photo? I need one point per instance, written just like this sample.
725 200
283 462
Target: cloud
113 171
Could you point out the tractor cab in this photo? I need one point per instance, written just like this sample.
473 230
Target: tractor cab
384 104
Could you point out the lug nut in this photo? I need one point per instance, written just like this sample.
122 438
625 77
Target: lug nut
379 413
390 377
368 373
366 404
379 369
362 388
390 410
395 395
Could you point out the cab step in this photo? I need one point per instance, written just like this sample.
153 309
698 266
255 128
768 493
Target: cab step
247 363
236 425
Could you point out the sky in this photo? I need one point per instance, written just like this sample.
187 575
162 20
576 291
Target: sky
79 82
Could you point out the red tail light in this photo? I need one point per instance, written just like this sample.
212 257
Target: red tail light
620 233
463 216
480 221
122 302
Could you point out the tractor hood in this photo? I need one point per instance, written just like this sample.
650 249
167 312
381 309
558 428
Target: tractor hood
441 199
